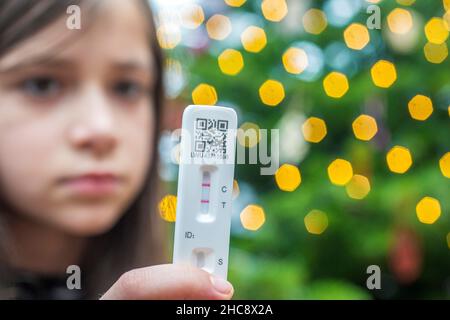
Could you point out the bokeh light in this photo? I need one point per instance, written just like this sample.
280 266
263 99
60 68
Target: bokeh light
288 177
335 84
316 61
231 62
253 217
271 93
358 187
169 36
274 10
428 210
446 18
168 208
340 172
444 165
399 159
406 2
218 27
364 127
435 53
236 190
356 36
295 60
316 222
235 3
400 21
204 94
254 39
383 74
192 16
248 134
314 129
314 21
446 4
436 31
420 107
340 12
448 240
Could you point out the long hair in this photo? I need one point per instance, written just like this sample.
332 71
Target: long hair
136 239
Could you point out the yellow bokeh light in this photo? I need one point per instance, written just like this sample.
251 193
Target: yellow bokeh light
406 2
168 208
295 60
400 21
358 187
253 39
444 165
204 94
248 134
356 36
218 27
274 10
383 74
428 210
314 21
340 172
252 217
316 222
314 129
231 62
446 19
420 107
168 36
335 84
236 190
446 4
435 53
192 16
364 127
271 93
436 30
235 3
448 240
399 159
288 177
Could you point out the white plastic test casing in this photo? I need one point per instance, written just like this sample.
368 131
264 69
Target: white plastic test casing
205 186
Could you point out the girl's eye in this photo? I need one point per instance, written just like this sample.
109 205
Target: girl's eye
128 90
42 87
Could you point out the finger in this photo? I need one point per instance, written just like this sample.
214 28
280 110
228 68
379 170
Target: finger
169 281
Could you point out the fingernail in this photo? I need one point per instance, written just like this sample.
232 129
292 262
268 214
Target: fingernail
221 285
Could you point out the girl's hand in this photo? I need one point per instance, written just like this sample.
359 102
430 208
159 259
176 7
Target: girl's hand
169 282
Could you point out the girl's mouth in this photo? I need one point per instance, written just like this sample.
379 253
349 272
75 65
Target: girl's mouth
93 184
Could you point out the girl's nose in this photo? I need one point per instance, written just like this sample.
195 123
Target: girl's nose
94 129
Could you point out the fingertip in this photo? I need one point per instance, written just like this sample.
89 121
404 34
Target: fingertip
223 287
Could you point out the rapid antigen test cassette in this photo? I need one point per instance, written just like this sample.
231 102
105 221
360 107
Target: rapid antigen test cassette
205 186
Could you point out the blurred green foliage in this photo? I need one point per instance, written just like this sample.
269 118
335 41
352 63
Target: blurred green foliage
282 260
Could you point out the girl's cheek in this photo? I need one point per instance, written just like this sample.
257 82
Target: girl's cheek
138 143
24 162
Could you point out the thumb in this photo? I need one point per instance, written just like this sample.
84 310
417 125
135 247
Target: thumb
168 282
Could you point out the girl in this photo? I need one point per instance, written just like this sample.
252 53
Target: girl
79 120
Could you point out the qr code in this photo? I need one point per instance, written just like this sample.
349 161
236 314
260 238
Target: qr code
211 136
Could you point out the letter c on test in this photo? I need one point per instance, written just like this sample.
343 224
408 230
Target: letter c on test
224 189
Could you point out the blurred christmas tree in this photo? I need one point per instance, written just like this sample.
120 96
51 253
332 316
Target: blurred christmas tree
377 98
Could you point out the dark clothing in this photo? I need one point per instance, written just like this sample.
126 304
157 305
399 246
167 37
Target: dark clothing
30 286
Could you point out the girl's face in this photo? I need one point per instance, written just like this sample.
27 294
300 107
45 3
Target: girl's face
76 120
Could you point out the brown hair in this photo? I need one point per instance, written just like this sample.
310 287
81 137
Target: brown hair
136 240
